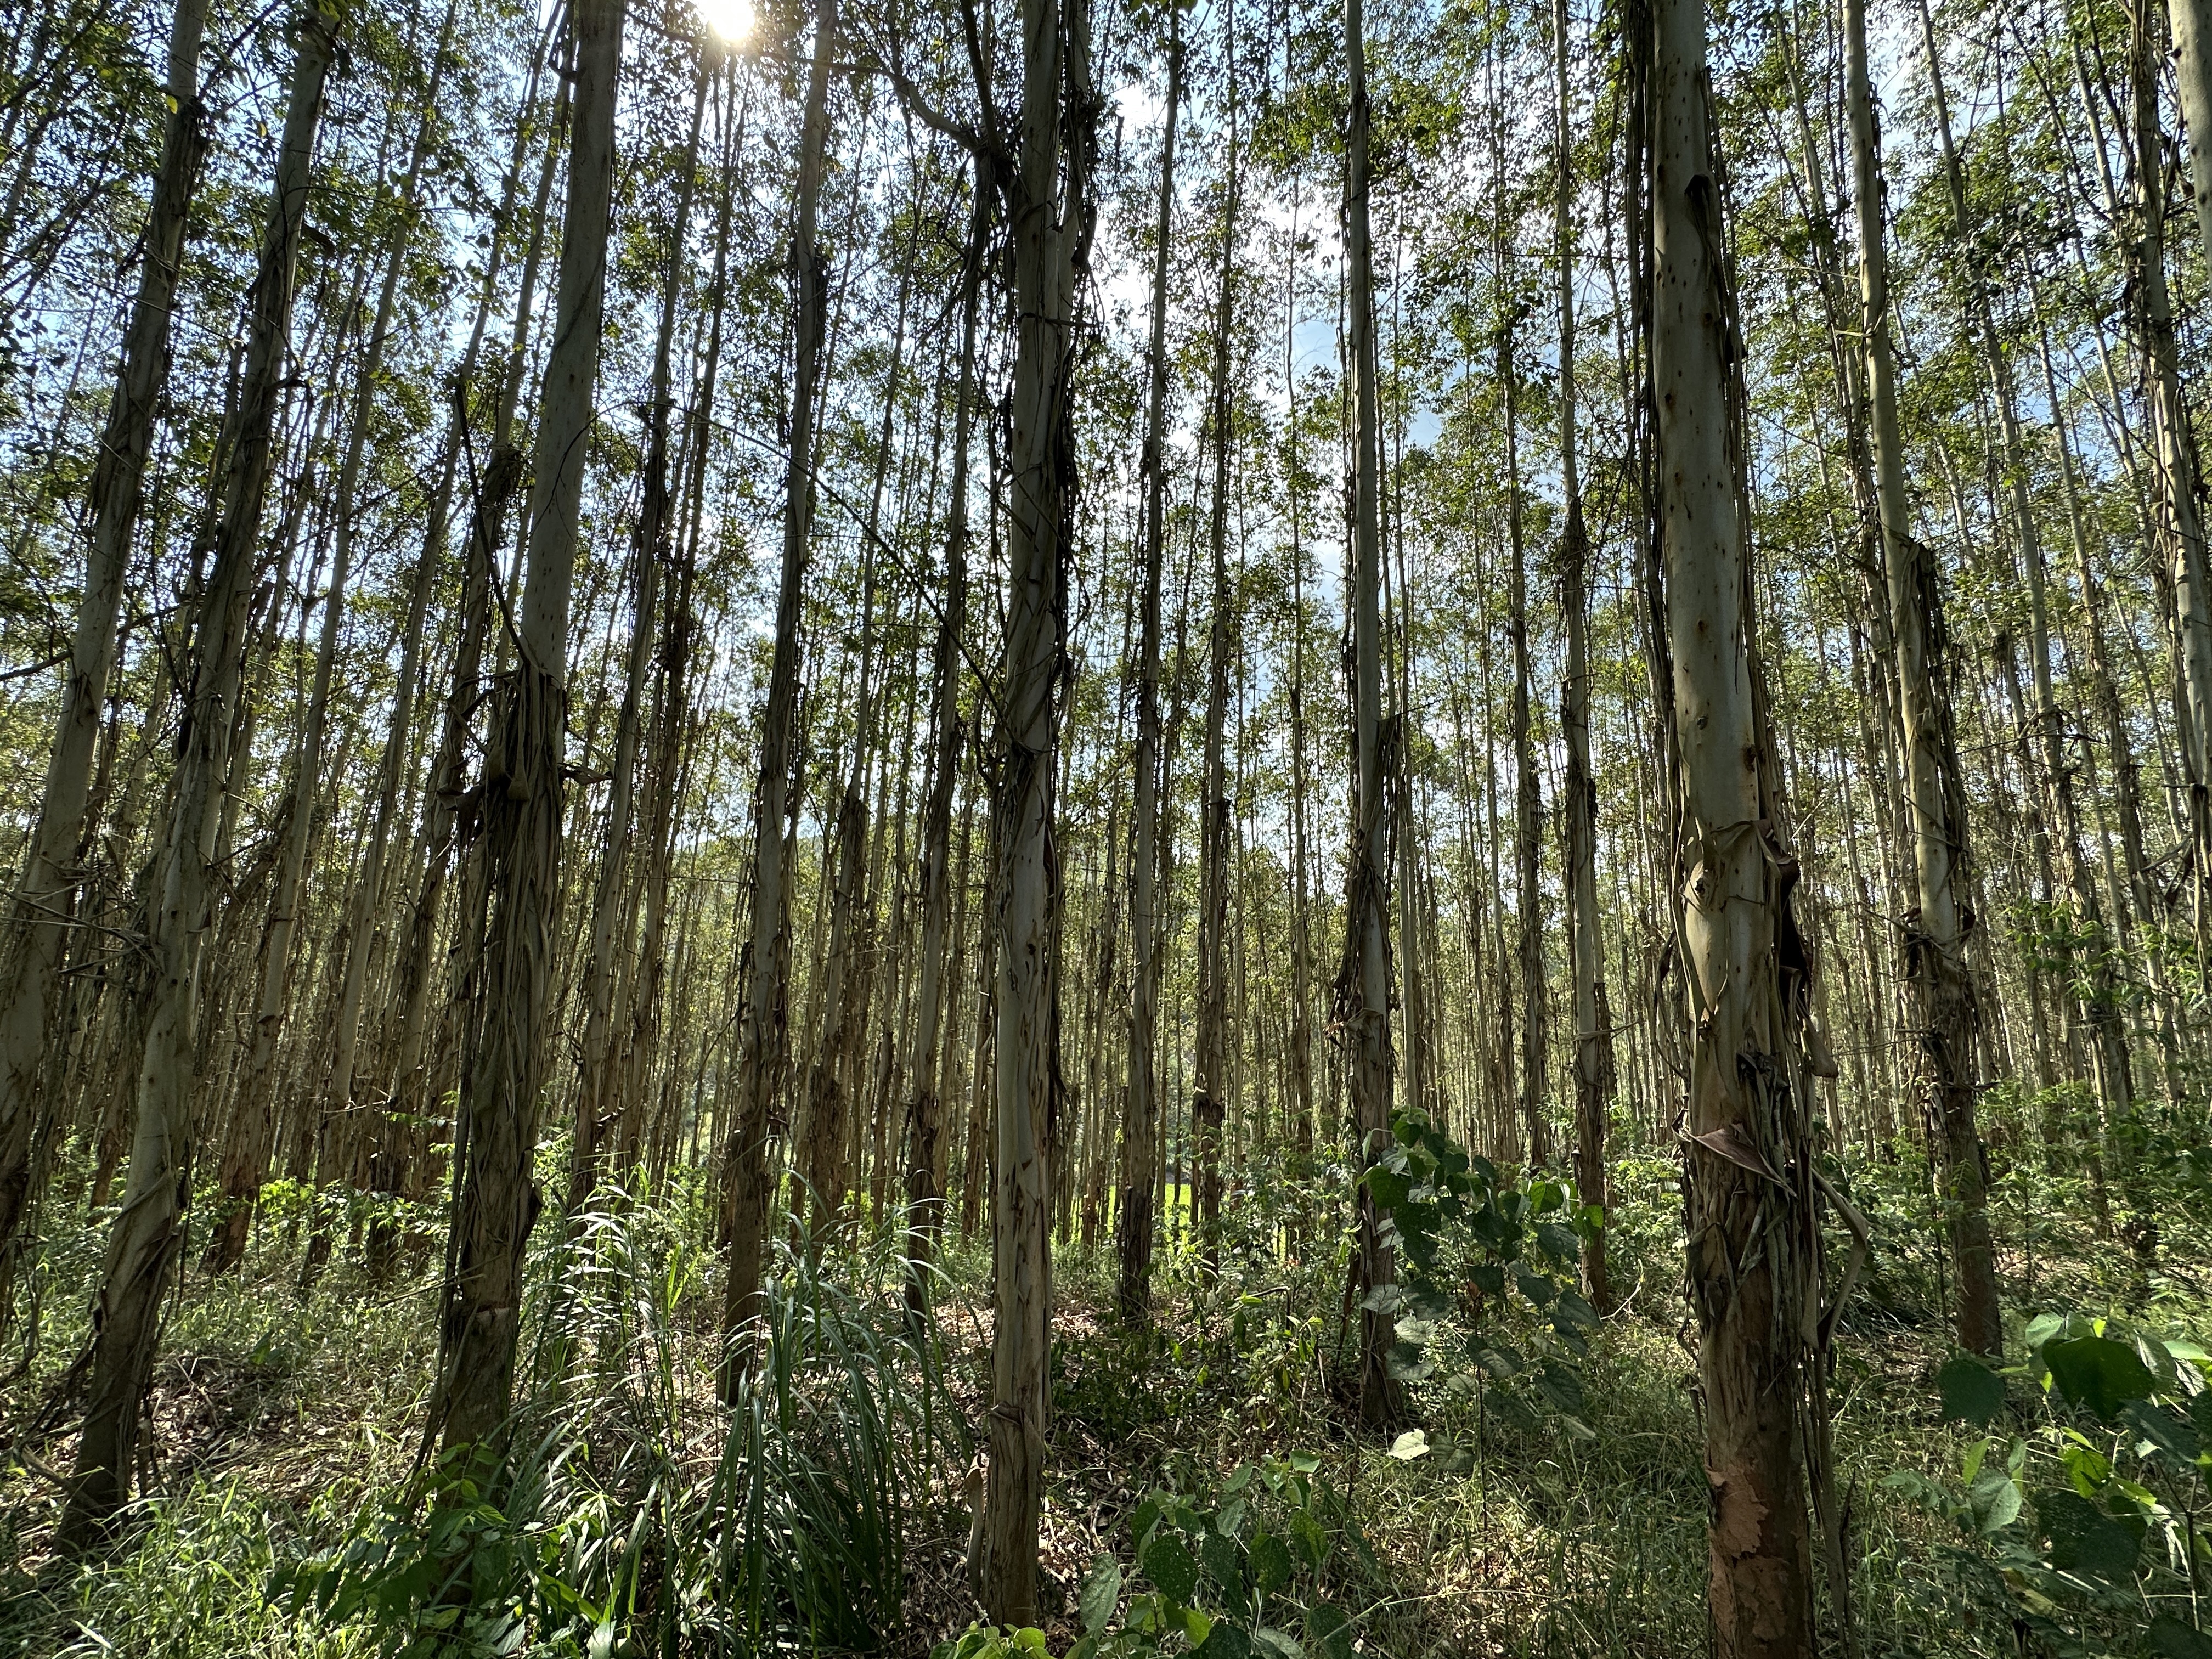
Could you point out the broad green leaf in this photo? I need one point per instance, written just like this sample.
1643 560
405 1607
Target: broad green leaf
1560 1386
1280 1642
1574 1312
1226 1641
1102 1591
1329 1632
1410 1445
1311 1541
2086 1541
1271 1563
1972 1392
2169 1639
1172 1567
1225 1565
2167 1433
1230 1520
2100 1373
1995 1499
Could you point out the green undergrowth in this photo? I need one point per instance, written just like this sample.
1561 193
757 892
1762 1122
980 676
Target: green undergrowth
1540 1493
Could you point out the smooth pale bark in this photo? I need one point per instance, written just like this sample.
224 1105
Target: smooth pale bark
2192 77
765 964
452 809
44 903
1936 944
1048 225
1137 1218
925 1155
670 751
1363 995
504 1072
2178 511
1528 790
1593 1062
1210 1095
148 1230
596 1105
1754 1241
334 1126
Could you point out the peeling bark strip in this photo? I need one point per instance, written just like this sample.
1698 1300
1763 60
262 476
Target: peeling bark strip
497 1204
1754 1241
142 1251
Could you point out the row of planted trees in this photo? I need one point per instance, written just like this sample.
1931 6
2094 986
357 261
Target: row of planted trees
812 609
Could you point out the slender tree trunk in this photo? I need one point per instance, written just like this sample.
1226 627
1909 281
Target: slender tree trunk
148 1231
765 965
1593 1050
1754 1243
1049 223
503 1076
595 1101
2180 490
925 1160
1141 1138
36 928
1363 992
1936 960
1209 1099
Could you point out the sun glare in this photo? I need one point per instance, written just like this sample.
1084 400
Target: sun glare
728 19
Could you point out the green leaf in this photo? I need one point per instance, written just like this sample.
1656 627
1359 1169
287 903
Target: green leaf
2169 1638
1146 1517
1489 1278
1226 1641
1410 1445
1271 1563
1225 1565
2100 1373
1230 1520
1280 1642
1559 1242
1312 1542
2086 1541
1330 1630
1102 1591
2167 1433
1537 1288
1560 1386
1995 1499
1574 1312
1972 1392
1171 1566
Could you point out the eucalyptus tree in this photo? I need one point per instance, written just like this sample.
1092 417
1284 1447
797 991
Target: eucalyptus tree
148 1235
40 909
496 1203
1753 1232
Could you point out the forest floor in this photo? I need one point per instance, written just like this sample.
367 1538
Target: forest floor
286 1419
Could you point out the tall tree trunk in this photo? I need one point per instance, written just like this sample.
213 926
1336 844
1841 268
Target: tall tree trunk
925 1161
1754 1243
1209 1099
1141 1137
1593 1050
595 1101
765 964
497 1203
1048 217
36 929
1935 961
2178 514
1362 993
149 1230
